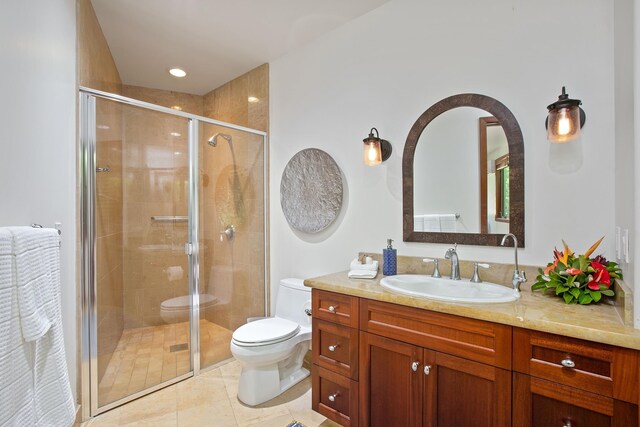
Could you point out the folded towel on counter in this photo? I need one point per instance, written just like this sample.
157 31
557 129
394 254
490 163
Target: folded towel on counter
363 274
355 265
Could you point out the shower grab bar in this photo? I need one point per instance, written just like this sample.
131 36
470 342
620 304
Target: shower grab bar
167 218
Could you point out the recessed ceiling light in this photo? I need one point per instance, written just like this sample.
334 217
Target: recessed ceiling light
177 153
103 127
176 107
253 99
177 72
175 134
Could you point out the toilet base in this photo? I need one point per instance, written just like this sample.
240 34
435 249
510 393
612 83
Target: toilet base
257 384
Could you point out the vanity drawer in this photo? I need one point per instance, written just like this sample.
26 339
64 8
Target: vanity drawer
594 367
335 347
334 396
336 308
477 340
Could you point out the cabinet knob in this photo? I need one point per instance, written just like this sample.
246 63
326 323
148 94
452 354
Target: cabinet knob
414 366
427 369
333 347
332 397
332 308
568 363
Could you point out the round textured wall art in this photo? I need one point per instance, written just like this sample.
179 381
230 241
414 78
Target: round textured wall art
311 190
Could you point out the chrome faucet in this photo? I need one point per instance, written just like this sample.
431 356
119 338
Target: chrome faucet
455 266
518 276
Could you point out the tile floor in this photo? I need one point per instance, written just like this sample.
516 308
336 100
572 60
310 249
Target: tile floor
210 400
143 357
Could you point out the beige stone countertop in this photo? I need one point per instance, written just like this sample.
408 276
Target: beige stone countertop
534 310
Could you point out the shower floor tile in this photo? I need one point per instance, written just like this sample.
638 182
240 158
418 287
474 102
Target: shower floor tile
143 357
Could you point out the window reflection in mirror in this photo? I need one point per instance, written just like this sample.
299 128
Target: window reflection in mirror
494 177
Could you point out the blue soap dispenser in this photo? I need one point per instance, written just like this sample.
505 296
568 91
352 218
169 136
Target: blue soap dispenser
390 260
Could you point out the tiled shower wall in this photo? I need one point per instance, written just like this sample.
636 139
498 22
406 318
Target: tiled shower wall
96 69
235 269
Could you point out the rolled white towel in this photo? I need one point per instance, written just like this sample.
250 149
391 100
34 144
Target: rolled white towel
355 265
363 274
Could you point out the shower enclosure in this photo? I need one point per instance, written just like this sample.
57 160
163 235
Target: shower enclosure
173 243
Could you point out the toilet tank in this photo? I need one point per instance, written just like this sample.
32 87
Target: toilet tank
293 298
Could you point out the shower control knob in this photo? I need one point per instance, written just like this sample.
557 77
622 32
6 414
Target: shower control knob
332 308
333 347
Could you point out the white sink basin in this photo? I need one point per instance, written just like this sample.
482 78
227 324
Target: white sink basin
443 289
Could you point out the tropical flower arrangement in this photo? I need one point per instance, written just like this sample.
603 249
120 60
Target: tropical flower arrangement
578 279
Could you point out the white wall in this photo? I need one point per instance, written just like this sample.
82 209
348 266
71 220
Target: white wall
385 68
38 140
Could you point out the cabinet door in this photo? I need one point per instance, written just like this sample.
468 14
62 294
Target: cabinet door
391 379
541 403
459 392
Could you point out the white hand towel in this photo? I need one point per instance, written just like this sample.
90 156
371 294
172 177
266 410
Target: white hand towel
355 265
362 274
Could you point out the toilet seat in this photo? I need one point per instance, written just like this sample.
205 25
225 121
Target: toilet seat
264 332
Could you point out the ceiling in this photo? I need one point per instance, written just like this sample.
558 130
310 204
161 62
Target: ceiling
215 41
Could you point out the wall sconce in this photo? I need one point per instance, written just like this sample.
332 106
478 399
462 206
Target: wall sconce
565 119
376 150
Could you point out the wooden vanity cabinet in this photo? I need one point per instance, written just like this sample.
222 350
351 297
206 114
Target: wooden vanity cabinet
478 373
334 389
402 383
571 382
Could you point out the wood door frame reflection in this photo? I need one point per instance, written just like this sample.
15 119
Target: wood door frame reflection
483 124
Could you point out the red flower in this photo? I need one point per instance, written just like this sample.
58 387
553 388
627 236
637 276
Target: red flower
573 271
600 277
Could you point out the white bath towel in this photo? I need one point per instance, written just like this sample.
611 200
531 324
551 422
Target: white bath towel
36 280
355 265
16 375
362 274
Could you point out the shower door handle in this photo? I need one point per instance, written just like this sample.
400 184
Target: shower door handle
188 249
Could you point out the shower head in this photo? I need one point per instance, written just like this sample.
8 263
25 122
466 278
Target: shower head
213 141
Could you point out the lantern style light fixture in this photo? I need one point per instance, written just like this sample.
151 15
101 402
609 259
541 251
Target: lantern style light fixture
565 119
376 150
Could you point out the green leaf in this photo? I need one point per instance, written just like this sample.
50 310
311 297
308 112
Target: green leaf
608 292
575 292
567 297
540 270
585 299
570 280
596 295
538 285
582 262
560 289
552 284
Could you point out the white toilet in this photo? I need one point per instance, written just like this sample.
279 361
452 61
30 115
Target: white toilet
177 309
272 350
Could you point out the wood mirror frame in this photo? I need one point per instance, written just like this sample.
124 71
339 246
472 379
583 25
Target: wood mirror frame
516 172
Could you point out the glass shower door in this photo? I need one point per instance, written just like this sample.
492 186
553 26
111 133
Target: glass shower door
142 293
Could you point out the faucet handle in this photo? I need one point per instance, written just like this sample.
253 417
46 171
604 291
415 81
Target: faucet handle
523 276
436 270
476 277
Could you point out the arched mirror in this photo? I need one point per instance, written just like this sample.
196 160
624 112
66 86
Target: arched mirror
463 173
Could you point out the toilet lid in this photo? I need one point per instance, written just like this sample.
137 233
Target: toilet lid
264 331
184 302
